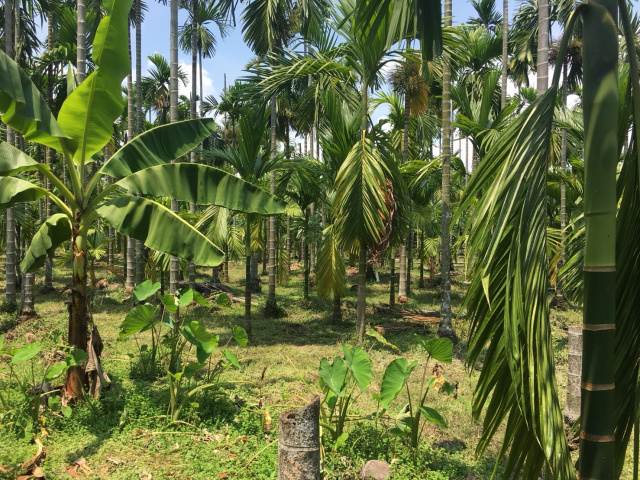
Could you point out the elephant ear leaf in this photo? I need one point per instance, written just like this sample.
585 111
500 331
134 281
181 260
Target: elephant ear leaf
23 107
203 185
158 146
15 190
13 160
55 230
159 228
87 115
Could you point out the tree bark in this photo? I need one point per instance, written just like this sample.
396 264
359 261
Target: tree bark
193 110
299 443
131 243
505 52
543 47
362 293
445 327
247 278
421 281
81 41
337 310
402 285
392 282
271 297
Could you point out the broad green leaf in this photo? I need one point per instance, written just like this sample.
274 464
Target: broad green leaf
394 379
200 300
13 160
240 336
26 353
185 297
169 301
150 222
139 319
191 368
203 185
87 115
15 190
56 371
334 375
433 416
340 441
359 364
144 290
52 233
78 357
158 146
54 403
223 300
440 349
231 358
24 108
197 335
66 411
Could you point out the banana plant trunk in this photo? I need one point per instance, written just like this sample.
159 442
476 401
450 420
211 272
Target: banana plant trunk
600 102
445 328
78 316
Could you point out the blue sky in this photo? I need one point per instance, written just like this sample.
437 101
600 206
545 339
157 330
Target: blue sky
232 53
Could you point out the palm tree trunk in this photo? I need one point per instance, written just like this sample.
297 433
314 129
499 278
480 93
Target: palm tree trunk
421 281
445 327
362 293
10 259
131 243
305 255
271 298
392 282
337 310
138 20
409 257
174 263
193 110
600 94
48 265
505 52
288 246
402 284
247 278
27 304
543 47
81 41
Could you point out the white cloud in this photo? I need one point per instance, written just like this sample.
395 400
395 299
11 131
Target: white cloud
207 83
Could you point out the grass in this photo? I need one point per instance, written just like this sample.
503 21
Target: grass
226 432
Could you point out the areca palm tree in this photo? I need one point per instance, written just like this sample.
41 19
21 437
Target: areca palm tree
155 87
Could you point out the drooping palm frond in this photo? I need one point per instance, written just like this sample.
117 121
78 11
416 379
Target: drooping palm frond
331 274
507 299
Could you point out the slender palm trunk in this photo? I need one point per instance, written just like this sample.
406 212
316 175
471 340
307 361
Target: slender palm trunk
81 41
139 117
600 102
174 263
402 284
305 255
392 282
271 298
421 281
409 257
543 47
247 278
193 110
337 309
131 243
48 265
445 328
362 255
505 52
10 259
288 246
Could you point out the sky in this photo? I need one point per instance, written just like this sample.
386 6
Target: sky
232 53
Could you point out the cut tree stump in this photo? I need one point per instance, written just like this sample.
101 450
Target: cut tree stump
299 443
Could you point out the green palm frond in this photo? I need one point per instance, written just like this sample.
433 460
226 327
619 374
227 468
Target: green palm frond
359 208
331 274
507 299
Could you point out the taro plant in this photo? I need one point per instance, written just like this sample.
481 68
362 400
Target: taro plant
33 387
396 378
342 382
142 168
173 349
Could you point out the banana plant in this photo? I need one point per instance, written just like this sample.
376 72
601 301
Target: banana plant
142 167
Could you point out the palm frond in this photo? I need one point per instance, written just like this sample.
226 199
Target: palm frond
331 274
507 299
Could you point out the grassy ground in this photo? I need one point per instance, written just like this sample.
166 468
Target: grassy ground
226 432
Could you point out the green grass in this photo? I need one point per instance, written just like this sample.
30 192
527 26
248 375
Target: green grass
124 433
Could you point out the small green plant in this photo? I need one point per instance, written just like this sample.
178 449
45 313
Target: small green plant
172 349
396 378
23 393
338 381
